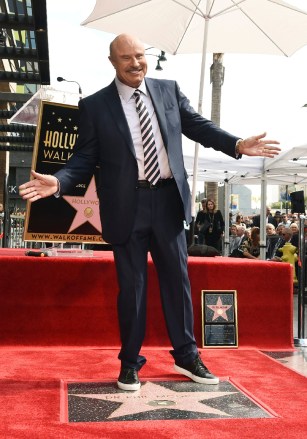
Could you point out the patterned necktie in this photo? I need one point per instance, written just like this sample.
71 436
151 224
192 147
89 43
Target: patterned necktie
151 165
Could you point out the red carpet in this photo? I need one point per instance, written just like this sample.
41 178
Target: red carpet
31 381
70 305
72 301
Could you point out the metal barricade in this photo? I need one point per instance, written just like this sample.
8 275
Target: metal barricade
16 232
301 340
1 229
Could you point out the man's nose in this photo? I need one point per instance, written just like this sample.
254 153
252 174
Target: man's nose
134 62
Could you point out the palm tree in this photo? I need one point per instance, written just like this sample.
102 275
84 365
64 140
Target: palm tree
217 72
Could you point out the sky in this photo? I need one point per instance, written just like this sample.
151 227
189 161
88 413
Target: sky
260 92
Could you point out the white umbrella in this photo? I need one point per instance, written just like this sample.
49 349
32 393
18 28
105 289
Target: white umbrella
177 26
201 26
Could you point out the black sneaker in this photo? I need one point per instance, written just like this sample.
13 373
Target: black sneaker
197 371
128 379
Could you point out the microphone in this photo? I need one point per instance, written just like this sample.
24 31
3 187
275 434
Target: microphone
60 79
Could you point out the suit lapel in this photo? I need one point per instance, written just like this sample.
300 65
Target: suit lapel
157 100
117 112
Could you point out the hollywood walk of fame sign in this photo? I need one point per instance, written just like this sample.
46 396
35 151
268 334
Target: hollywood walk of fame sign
74 218
219 318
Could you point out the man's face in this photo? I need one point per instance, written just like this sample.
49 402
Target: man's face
233 230
270 230
240 231
128 59
280 230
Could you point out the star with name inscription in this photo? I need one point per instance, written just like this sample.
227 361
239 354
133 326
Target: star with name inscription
87 208
155 397
219 309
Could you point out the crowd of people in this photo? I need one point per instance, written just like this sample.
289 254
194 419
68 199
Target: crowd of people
244 232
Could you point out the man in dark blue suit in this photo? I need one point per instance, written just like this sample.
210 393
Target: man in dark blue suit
138 216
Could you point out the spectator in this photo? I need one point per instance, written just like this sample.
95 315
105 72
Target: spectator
276 218
271 240
214 225
233 238
287 237
269 218
236 249
239 220
294 218
200 221
270 229
295 234
284 220
251 246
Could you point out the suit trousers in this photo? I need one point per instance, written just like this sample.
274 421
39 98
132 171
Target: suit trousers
158 229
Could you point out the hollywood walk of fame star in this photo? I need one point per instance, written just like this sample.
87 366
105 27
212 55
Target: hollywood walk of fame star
219 309
156 397
87 208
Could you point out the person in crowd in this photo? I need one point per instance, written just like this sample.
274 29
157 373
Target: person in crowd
284 220
280 229
236 248
1 220
200 221
241 234
295 234
271 240
270 229
279 242
276 218
230 219
233 238
247 233
287 236
294 218
239 220
251 246
269 218
248 222
133 130
214 225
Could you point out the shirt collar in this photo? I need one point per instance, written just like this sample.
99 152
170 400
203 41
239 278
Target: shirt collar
126 92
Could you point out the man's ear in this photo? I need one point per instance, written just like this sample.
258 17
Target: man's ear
110 59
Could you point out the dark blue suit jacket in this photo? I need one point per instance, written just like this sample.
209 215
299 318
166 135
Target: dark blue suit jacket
105 140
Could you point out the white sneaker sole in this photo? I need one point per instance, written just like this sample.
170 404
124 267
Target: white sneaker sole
196 378
124 386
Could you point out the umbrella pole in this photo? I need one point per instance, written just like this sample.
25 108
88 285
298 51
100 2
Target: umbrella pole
263 216
200 107
226 210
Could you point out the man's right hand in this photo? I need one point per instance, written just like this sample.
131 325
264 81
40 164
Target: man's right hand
41 186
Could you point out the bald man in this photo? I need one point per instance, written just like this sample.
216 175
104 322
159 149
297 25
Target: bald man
140 216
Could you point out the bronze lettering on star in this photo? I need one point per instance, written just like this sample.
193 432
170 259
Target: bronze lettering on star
219 318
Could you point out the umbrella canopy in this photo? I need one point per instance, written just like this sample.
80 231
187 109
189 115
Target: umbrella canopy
240 26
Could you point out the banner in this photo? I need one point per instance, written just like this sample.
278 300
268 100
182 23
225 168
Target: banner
74 218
